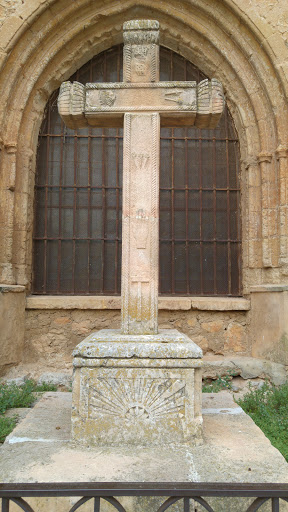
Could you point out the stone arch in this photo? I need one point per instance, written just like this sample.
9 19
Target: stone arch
51 42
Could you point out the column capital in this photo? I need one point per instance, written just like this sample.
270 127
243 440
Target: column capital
281 151
264 156
11 147
250 162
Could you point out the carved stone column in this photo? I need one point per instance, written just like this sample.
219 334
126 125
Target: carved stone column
282 157
8 165
254 214
269 211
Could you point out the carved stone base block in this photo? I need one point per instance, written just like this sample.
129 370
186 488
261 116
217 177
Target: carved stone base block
137 390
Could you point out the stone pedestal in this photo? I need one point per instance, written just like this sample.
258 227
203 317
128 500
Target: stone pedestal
137 390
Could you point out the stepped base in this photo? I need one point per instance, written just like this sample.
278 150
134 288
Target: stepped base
137 390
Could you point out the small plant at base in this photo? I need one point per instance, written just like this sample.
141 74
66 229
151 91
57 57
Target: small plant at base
268 407
222 382
6 426
13 396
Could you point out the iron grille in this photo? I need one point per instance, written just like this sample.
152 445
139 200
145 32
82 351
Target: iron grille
78 200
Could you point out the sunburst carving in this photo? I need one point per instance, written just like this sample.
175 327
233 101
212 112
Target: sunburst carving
133 399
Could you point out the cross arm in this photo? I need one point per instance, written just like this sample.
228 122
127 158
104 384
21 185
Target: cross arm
104 104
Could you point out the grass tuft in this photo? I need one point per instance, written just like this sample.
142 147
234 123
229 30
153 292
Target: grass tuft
6 426
222 382
12 396
268 407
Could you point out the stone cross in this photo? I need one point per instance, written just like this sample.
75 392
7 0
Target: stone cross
141 99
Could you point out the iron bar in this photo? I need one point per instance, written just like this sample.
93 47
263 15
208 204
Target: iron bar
169 489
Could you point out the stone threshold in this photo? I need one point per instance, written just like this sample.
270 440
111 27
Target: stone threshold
110 302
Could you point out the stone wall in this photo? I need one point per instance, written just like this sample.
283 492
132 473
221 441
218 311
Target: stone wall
51 335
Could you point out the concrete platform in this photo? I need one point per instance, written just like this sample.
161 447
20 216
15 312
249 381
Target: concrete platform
234 450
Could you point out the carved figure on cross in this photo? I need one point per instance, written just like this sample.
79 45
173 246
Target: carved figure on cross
142 101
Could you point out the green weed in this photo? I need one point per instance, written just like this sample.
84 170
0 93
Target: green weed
268 407
222 382
6 426
12 396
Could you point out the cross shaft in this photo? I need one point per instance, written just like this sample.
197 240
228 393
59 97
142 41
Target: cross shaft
141 99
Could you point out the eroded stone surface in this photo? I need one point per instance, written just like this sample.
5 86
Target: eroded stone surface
138 406
168 343
234 450
137 389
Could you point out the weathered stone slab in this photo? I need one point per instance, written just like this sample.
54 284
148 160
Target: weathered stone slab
234 450
111 343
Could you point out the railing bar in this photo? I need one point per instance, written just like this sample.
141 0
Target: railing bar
97 504
192 493
184 489
275 505
5 505
186 505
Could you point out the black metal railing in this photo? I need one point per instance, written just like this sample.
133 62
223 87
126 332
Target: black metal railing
192 497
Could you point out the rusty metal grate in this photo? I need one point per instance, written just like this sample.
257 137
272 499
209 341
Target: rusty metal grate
77 234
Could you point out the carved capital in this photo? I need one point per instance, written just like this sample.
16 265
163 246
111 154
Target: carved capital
210 103
281 152
141 32
249 162
71 104
264 156
10 147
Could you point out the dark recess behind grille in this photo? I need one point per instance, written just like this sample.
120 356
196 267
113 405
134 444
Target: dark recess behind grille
77 235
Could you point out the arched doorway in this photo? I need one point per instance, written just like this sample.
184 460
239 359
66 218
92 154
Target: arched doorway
77 235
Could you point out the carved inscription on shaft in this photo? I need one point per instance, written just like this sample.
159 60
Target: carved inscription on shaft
140 224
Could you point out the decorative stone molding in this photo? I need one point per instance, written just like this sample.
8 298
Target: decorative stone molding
141 32
11 148
281 152
282 157
254 213
269 210
164 303
264 156
11 288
